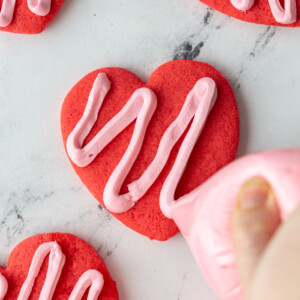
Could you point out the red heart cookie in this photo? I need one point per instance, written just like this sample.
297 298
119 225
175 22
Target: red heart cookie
27 16
269 12
168 88
73 270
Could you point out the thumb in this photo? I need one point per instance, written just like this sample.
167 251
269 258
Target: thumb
255 219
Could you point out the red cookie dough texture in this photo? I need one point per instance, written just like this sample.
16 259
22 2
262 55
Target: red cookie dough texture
171 83
25 21
80 257
260 12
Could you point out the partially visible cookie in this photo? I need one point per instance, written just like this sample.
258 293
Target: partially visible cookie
27 16
56 266
100 160
272 12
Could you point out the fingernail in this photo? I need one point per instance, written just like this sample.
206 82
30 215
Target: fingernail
254 194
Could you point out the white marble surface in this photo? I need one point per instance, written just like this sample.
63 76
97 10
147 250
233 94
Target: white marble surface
39 192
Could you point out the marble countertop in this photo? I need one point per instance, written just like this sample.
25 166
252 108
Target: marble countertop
40 192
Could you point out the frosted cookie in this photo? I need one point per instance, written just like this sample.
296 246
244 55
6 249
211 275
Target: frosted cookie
56 266
271 12
122 136
27 16
204 215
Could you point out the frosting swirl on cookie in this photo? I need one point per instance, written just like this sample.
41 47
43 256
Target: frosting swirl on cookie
7 12
38 7
287 15
141 107
91 278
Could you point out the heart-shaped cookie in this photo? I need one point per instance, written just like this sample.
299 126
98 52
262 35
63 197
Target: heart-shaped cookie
204 217
72 271
116 151
27 16
269 12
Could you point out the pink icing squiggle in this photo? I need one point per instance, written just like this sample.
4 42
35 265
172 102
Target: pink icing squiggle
7 12
56 263
287 15
38 7
198 103
141 107
3 287
242 5
91 278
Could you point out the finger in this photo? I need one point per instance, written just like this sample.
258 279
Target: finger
255 219
278 275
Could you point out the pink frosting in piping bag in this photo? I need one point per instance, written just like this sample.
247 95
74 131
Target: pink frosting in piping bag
141 107
38 7
287 15
91 278
204 215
